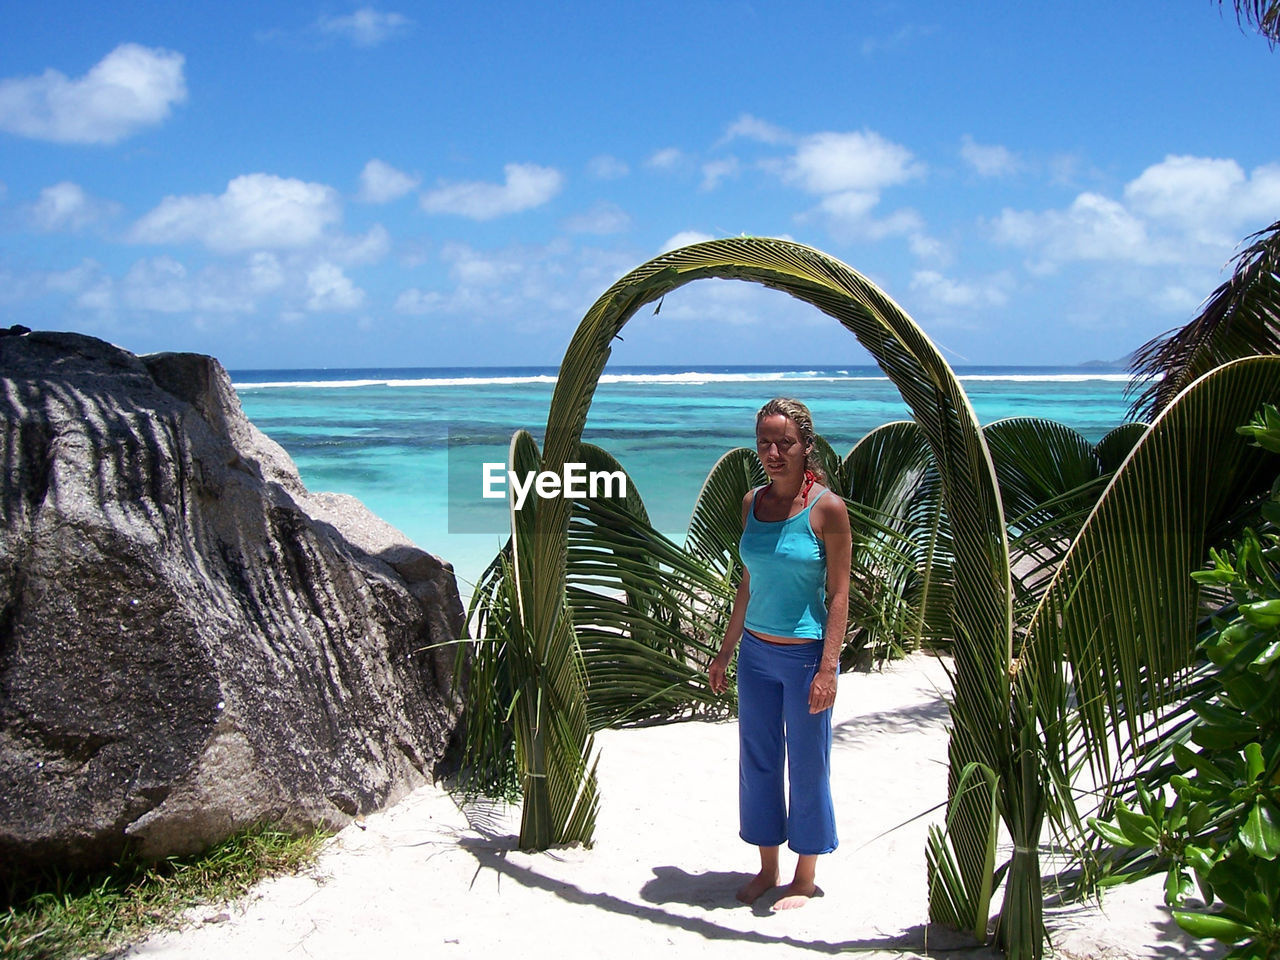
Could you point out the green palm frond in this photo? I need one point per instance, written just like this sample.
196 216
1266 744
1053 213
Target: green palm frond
1262 15
555 750
831 464
982 597
931 391
884 467
1118 444
1240 319
903 549
649 618
715 525
1108 649
1050 477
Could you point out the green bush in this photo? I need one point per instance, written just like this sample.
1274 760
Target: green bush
73 914
1221 832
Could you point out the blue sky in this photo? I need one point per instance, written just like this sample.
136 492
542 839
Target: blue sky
304 185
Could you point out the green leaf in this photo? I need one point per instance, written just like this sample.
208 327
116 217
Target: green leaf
1109 833
1212 925
1198 857
1261 831
1222 737
1269 655
1138 828
1177 886
1263 613
1257 909
1188 759
1198 817
1255 765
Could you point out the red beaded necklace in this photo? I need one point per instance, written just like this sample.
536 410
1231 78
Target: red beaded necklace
809 479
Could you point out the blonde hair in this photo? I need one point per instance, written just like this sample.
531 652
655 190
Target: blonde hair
799 414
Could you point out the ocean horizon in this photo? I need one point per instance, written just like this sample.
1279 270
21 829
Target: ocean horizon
385 434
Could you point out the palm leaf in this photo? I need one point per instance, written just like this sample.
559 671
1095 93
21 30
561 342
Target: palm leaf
1118 444
902 559
1240 319
555 751
649 617
1050 477
938 403
715 526
1262 15
1108 649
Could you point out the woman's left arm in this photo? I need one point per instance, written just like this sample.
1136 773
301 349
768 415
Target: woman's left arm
837 540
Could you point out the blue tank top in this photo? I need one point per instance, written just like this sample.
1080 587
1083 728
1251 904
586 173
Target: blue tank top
788 567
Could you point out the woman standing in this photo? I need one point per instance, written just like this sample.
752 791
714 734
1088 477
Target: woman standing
789 613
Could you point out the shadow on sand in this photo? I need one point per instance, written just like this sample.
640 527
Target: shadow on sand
714 891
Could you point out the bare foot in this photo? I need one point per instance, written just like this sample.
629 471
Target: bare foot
758 885
796 895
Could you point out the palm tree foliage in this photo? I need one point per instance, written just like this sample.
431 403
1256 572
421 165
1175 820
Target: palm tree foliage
525 692
1096 616
540 537
646 617
1262 15
1240 319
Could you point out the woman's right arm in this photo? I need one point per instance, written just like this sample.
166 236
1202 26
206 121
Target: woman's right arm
717 672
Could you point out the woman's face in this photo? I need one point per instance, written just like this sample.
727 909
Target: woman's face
779 445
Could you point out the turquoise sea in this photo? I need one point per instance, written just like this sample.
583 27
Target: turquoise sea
384 435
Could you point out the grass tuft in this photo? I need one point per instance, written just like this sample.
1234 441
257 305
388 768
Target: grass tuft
78 914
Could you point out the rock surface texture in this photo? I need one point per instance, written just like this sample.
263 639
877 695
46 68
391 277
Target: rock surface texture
191 643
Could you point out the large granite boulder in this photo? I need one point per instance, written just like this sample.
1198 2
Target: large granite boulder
190 642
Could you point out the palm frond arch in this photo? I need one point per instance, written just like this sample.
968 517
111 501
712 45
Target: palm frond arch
928 386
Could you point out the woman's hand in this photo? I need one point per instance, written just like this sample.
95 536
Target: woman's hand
822 692
717 673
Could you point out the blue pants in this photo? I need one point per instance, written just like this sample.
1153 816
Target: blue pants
775 726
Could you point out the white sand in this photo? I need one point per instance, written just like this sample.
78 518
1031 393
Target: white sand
423 880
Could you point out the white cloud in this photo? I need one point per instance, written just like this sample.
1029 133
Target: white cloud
525 287
683 239
158 285
850 215
365 27
417 302
130 88
860 161
165 285
753 128
849 171
988 160
331 290
605 167
938 291
734 303
1094 227
526 186
601 219
65 206
1183 210
896 41
263 272
929 248
75 278
257 211
666 159
716 170
1209 200
359 249
381 183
